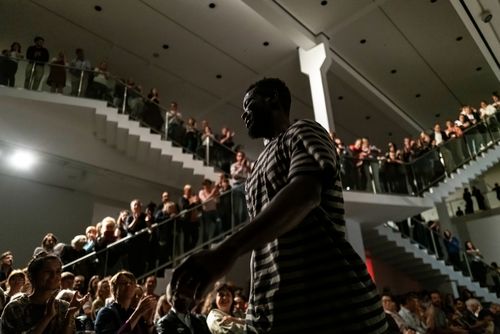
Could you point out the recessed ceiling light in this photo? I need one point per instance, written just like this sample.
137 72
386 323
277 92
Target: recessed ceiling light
340 97
363 41
417 95
266 43
389 134
479 68
324 3
437 115
165 46
211 5
156 54
368 117
97 8
432 1
394 71
219 76
459 38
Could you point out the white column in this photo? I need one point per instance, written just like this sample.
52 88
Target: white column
315 63
355 237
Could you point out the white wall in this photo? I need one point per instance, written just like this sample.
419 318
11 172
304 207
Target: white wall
29 210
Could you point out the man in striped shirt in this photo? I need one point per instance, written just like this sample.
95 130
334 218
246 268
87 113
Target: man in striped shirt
306 278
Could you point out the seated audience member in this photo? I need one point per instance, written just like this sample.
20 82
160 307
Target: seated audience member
150 286
67 280
15 283
396 322
221 319
40 312
410 314
240 305
162 308
7 260
180 319
79 285
103 292
48 244
84 323
120 316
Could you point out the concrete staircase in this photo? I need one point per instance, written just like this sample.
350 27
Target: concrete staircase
139 143
408 257
463 175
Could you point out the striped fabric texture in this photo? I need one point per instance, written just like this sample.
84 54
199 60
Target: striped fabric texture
309 280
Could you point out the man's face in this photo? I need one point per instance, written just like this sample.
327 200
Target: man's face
78 283
49 276
8 260
39 42
386 303
150 284
436 299
257 115
165 197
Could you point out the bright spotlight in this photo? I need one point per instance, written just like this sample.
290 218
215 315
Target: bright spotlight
22 160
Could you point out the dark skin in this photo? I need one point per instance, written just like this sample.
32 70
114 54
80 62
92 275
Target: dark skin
264 118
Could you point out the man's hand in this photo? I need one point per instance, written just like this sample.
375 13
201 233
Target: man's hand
194 276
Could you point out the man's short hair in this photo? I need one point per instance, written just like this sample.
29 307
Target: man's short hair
274 87
5 254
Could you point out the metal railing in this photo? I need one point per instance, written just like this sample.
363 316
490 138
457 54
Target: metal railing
452 251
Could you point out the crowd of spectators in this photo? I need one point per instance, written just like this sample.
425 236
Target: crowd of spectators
366 167
43 299
431 312
124 94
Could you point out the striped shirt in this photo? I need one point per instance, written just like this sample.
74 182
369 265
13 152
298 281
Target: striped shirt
309 280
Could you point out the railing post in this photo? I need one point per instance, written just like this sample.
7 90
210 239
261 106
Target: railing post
106 264
32 79
467 264
372 180
80 83
434 243
207 151
124 104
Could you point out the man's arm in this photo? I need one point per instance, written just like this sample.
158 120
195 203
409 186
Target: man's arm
285 211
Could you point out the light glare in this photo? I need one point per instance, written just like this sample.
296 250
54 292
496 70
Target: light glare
22 160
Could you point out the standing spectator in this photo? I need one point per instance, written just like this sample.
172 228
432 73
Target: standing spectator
80 72
48 244
7 260
225 205
99 88
467 196
152 113
495 101
40 312
37 56
211 221
91 234
452 246
240 170
190 217
479 198
476 262
121 224
192 137
120 316
174 124
57 75
496 188
14 55
459 212
136 246
166 217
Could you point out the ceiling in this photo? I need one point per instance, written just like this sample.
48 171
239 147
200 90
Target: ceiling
398 66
